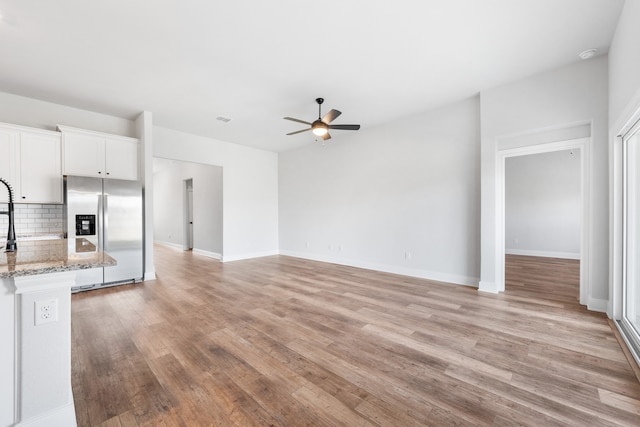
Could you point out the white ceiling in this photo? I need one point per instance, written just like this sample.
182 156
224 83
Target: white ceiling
254 61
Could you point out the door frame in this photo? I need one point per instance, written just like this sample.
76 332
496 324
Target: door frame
187 229
501 155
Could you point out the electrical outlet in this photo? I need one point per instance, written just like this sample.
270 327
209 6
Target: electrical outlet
46 311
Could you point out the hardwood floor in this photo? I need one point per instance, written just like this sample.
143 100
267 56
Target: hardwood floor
552 278
280 341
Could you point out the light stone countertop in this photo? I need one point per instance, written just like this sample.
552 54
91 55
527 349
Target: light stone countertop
50 256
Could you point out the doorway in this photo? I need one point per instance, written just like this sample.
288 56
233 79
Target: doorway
188 206
187 202
581 148
542 225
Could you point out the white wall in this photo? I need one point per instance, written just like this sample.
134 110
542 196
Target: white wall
250 188
46 115
561 98
542 204
403 197
624 65
169 177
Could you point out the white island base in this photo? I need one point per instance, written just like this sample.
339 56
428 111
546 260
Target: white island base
36 360
35 331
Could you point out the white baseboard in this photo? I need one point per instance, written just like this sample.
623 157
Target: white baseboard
171 244
207 253
64 416
545 254
149 275
595 304
394 269
194 250
229 258
489 287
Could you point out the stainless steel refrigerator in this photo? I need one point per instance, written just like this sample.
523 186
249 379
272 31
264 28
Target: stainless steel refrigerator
105 214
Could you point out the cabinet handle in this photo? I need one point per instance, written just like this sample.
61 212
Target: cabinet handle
24 197
99 173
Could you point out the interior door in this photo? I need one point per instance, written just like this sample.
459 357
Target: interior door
187 214
190 216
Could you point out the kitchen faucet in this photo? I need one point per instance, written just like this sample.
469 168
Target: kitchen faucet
11 233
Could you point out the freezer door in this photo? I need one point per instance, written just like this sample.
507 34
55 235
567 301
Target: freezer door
123 230
84 223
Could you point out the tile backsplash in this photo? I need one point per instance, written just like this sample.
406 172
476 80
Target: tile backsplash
33 219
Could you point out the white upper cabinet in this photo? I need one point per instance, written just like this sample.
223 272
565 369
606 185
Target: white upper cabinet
8 160
30 160
83 155
121 158
40 168
88 153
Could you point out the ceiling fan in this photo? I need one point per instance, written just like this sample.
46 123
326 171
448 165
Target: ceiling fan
321 126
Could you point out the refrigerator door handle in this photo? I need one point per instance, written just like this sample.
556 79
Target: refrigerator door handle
100 220
105 218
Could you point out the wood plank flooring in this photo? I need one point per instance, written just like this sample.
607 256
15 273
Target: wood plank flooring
280 341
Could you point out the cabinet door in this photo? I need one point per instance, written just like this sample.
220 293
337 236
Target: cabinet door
83 155
121 158
8 162
40 169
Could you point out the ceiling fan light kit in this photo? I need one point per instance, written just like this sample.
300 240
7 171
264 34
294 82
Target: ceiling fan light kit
321 126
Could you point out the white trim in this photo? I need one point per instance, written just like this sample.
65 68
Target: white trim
629 115
28 129
63 416
171 244
544 254
617 207
595 304
393 269
186 235
70 129
501 155
149 275
207 253
45 282
248 256
489 287
196 251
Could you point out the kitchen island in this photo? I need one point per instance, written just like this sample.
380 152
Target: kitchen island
35 329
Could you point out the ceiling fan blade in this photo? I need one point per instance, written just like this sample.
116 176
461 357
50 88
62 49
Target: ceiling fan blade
298 131
297 120
331 116
326 136
345 127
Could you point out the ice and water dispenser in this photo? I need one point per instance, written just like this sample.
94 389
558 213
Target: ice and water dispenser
85 225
